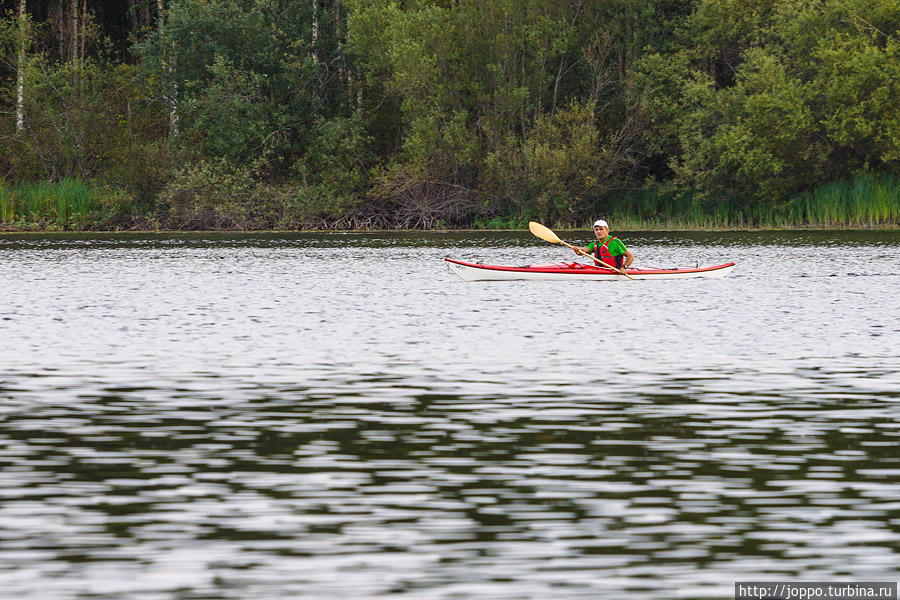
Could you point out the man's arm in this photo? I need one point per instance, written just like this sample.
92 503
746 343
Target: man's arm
623 261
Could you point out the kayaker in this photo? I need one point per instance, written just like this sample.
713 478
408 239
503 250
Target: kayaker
607 248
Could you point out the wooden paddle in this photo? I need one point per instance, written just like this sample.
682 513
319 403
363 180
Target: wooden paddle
547 235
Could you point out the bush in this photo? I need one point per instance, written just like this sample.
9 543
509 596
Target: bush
212 194
143 169
555 170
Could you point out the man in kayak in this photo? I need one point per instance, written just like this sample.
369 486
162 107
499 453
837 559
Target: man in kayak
607 248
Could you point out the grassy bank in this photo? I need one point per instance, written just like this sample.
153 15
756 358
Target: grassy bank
70 205
865 201
51 206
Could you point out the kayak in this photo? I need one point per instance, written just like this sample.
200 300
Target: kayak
571 271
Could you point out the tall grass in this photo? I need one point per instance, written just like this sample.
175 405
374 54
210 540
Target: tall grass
68 204
7 206
867 200
646 209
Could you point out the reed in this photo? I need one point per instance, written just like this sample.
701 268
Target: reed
62 205
7 203
867 200
646 209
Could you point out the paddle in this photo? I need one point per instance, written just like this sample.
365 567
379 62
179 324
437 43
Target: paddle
547 235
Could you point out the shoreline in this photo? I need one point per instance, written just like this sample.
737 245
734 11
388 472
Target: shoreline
798 228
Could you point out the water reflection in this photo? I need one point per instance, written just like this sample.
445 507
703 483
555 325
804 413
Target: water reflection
280 420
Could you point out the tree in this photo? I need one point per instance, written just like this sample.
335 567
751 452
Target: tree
759 101
22 20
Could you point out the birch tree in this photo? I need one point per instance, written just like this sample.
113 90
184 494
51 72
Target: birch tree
20 67
315 30
172 99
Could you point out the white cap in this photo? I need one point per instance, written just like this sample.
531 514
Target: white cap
601 223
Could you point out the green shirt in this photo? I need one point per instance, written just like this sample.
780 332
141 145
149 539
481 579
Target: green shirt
615 246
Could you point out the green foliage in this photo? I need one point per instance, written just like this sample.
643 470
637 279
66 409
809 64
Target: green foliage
92 123
864 200
442 147
860 84
810 95
227 115
555 169
486 95
754 140
335 170
68 204
430 113
142 169
77 120
212 194
240 78
502 223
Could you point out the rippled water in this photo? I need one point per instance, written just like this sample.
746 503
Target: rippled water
323 416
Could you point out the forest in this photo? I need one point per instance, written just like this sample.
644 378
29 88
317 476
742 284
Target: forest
422 114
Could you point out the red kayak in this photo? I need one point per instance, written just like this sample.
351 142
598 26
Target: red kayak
569 271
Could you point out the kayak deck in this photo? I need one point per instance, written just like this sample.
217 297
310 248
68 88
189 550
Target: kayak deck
567 271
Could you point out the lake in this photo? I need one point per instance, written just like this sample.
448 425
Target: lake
314 415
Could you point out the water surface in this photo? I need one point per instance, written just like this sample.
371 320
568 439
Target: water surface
338 415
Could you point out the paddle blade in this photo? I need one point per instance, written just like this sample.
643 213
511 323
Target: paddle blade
543 232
